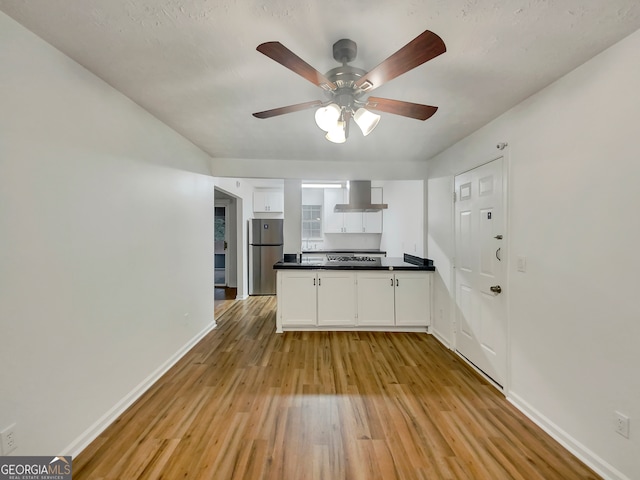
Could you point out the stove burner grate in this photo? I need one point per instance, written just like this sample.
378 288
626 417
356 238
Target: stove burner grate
349 258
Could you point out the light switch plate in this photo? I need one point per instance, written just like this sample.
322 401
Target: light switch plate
522 263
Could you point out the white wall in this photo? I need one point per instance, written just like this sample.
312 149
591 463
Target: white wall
393 169
574 330
292 215
107 224
403 221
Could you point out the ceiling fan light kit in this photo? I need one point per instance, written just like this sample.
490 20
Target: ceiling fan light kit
366 120
345 86
327 117
337 134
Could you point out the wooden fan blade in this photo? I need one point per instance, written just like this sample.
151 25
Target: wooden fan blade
398 107
421 49
281 54
289 109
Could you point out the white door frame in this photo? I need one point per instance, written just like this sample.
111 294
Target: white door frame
506 195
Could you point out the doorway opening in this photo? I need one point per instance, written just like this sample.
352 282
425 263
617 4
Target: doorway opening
225 240
221 245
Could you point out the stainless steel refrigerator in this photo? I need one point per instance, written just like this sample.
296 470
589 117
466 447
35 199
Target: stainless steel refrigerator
266 240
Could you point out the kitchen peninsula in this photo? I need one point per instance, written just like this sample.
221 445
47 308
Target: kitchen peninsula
354 293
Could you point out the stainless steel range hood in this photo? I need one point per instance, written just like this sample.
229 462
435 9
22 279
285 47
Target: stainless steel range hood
360 199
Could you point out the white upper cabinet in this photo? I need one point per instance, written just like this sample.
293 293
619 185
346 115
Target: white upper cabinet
372 221
268 200
353 222
333 222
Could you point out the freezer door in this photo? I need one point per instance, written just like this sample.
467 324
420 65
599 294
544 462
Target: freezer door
262 280
266 231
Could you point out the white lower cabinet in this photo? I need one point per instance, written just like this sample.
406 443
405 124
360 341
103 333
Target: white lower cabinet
413 295
375 298
316 298
347 299
399 299
336 298
297 297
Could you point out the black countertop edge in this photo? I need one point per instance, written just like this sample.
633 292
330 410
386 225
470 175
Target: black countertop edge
385 264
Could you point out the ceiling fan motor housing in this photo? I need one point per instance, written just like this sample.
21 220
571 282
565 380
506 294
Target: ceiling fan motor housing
345 50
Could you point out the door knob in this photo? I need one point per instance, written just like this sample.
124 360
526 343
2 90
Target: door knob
496 289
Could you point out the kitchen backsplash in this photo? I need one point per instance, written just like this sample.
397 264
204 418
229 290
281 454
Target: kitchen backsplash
344 240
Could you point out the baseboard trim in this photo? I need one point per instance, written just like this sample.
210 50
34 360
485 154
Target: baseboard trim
441 339
600 466
89 435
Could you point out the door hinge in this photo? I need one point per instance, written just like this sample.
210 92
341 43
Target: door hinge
455 197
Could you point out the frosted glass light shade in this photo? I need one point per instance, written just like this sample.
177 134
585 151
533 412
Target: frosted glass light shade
337 134
366 120
327 117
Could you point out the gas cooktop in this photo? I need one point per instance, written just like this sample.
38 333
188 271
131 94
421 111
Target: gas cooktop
349 258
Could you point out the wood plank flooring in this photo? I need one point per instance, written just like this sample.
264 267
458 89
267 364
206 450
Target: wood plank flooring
247 403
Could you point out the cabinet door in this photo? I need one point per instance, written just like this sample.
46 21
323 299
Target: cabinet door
333 222
275 201
413 295
372 221
259 201
336 298
375 298
353 222
297 298
268 201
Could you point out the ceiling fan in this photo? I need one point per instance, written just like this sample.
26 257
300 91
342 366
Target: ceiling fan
346 86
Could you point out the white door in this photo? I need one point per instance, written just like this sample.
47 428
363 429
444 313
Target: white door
481 331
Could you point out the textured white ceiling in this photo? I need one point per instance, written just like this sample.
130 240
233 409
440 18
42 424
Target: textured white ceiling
193 63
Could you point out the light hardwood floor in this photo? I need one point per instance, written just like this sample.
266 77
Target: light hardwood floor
247 403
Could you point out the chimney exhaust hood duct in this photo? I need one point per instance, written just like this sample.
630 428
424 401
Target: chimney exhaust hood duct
360 199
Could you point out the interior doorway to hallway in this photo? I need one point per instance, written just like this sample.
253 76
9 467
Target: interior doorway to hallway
226 248
221 245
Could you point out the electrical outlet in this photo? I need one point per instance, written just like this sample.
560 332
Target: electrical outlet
8 436
621 424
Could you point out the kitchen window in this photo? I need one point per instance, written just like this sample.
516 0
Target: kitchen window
311 222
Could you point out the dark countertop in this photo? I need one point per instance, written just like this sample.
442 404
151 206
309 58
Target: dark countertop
408 263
